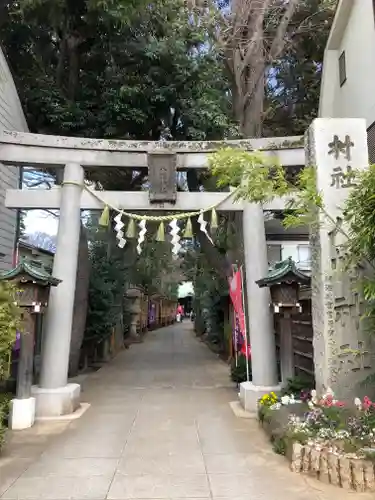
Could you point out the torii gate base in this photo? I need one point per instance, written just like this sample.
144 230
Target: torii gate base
325 150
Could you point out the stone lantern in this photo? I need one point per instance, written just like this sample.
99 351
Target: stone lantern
134 296
284 280
34 285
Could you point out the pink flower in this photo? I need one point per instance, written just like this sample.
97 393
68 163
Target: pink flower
367 403
340 404
327 401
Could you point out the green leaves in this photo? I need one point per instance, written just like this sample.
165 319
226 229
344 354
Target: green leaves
10 320
359 213
135 78
305 202
258 177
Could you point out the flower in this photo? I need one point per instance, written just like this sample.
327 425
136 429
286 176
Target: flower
358 403
339 404
367 403
285 400
275 406
314 398
268 399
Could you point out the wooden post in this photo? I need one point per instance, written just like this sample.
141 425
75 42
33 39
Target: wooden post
25 364
286 347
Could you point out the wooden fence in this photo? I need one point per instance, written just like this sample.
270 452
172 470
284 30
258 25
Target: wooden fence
302 338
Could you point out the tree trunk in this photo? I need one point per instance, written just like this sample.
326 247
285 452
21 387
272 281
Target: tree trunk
60 70
80 303
73 43
251 120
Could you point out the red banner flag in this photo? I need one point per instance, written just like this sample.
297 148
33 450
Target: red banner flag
235 292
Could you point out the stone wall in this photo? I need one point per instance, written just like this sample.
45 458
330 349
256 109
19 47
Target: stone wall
347 472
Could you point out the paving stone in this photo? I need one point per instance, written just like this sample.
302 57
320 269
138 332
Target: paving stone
59 488
159 428
162 464
159 486
11 469
72 467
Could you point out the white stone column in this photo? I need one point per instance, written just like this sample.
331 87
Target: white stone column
55 396
333 147
260 320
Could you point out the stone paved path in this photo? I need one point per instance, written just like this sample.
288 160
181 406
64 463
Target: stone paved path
160 427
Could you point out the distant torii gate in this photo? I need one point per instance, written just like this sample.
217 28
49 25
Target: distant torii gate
54 395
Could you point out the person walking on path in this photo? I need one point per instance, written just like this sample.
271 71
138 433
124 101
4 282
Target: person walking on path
179 313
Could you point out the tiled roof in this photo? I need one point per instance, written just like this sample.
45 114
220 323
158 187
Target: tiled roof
36 273
285 271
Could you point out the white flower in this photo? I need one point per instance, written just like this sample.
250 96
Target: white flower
314 398
285 400
358 403
276 406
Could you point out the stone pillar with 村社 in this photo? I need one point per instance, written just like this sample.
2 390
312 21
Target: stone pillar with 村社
335 148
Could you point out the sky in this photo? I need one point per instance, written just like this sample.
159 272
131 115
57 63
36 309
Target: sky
39 221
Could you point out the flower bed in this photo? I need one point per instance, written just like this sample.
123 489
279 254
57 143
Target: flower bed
323 437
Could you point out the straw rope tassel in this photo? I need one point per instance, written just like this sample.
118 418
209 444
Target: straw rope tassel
130 232
188 233
214 220
104 218
160 235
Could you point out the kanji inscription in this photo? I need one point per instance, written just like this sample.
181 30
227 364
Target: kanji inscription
162 177
338 147
341 178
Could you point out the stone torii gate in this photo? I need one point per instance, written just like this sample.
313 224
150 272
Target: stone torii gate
54 396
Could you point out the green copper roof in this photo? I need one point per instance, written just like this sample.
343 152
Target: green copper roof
38 274
285 271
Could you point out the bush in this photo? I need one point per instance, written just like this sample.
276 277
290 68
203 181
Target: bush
10 314
238 373
4 411
298 385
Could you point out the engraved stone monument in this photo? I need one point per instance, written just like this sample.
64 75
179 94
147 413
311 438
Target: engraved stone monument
335 147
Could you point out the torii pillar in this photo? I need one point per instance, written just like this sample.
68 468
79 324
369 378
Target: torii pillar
260 319
54 396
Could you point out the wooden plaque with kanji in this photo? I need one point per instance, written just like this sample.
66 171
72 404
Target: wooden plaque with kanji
162 177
